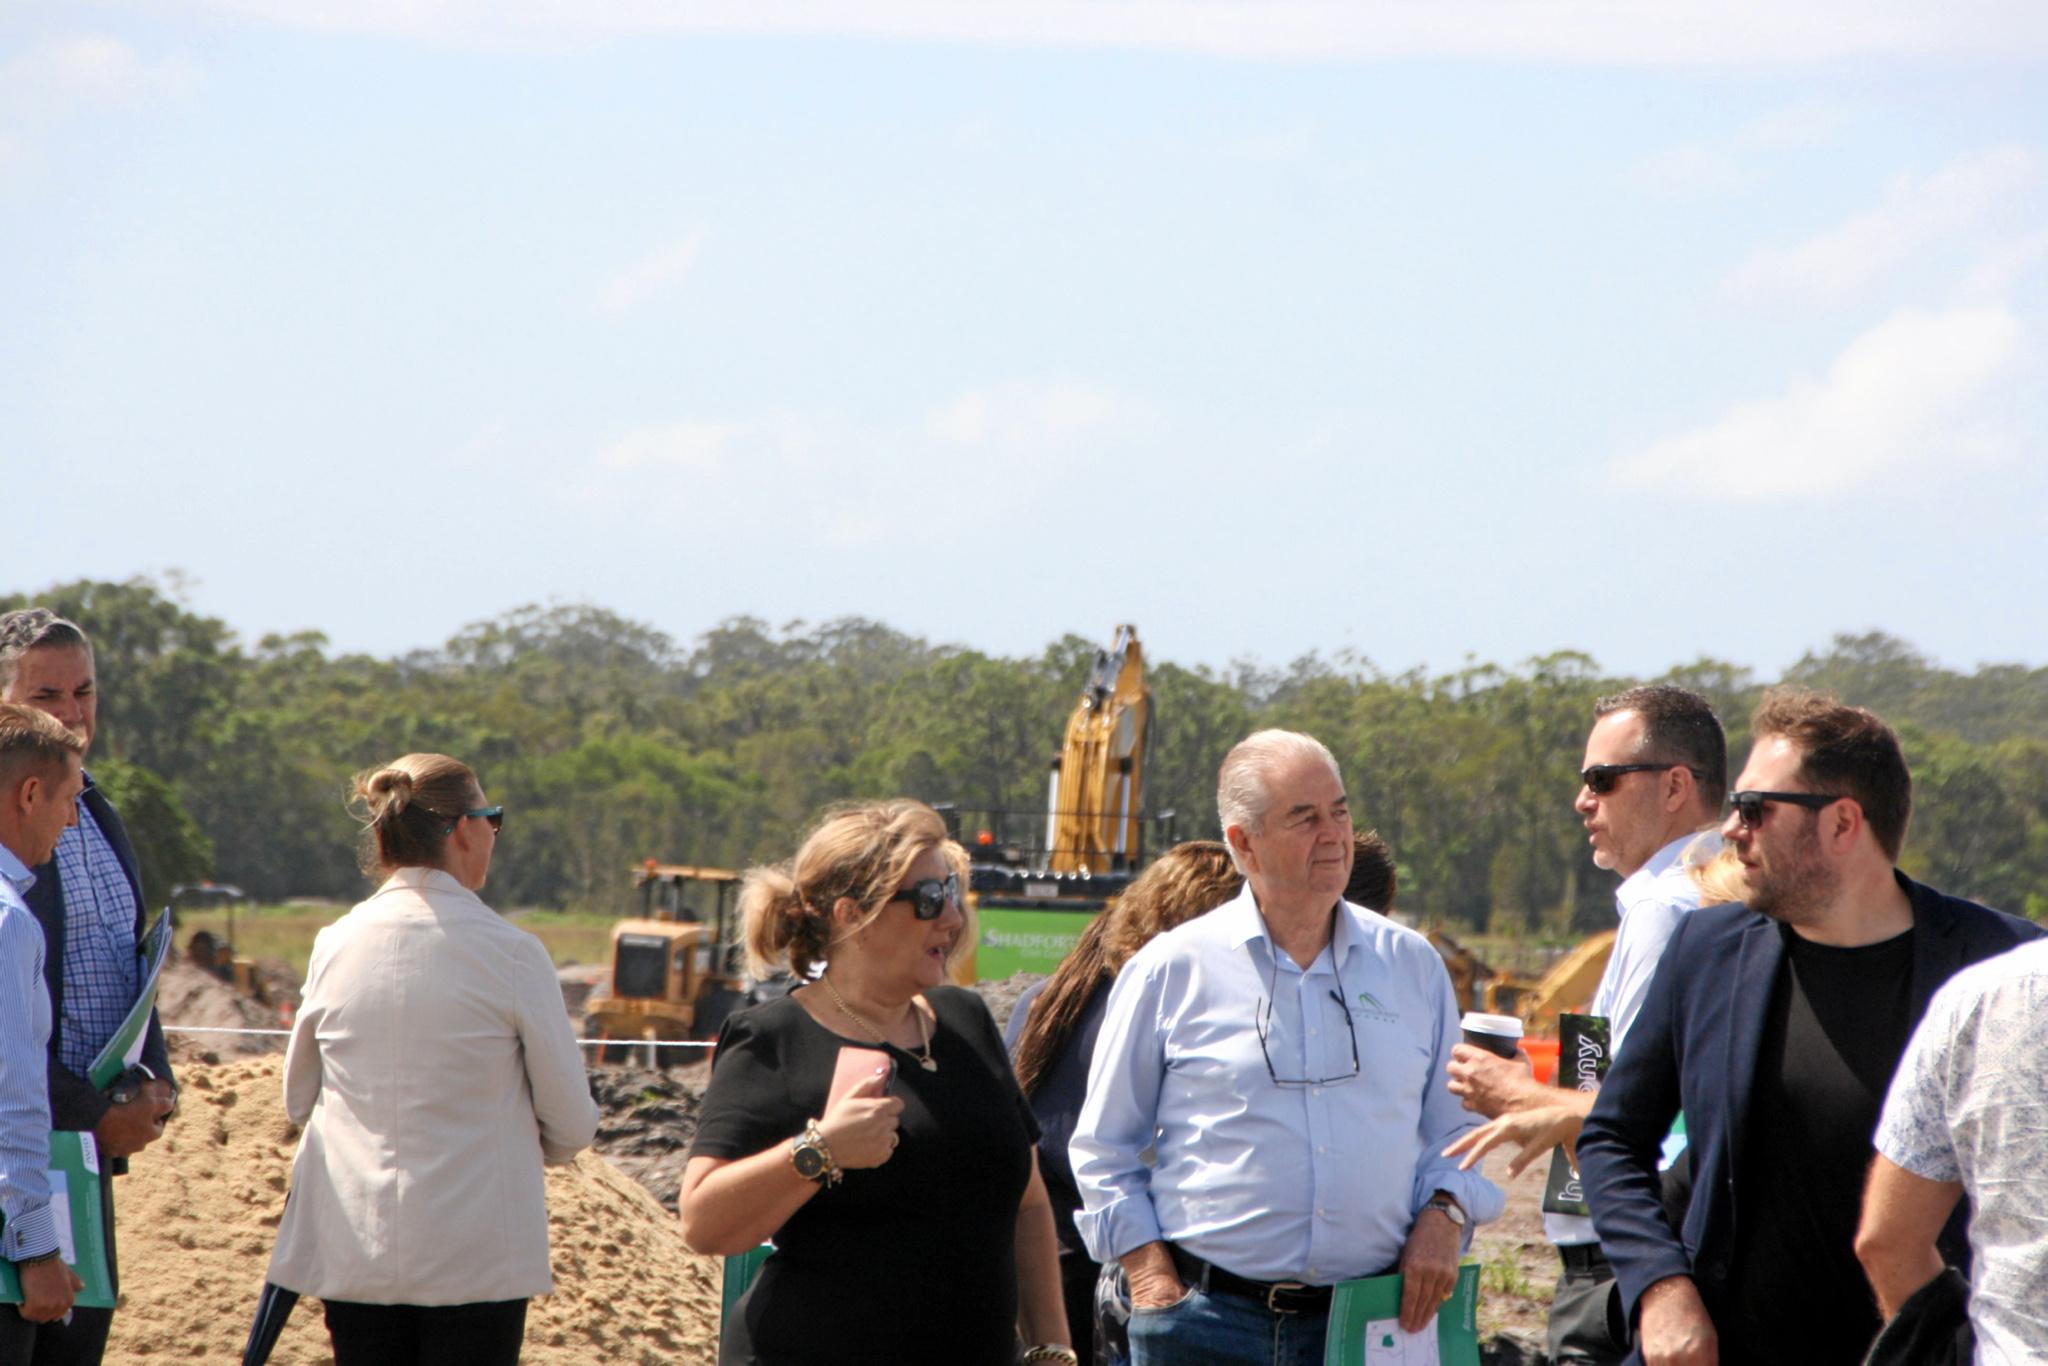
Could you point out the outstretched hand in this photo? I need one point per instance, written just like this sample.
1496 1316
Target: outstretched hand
1533 1131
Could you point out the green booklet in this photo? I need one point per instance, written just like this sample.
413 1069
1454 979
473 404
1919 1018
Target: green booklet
1365 1325
76 1199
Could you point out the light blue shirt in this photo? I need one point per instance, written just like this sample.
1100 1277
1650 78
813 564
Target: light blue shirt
1650 902
26 1223
1316 1183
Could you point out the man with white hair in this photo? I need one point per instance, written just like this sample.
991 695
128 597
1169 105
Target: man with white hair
1277 1057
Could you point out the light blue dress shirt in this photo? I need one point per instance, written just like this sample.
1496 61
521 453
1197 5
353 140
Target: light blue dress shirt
1316 1183
28 1230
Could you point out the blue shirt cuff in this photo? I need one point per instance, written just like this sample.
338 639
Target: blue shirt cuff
32 1233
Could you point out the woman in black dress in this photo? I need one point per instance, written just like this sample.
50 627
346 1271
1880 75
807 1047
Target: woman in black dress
908 1217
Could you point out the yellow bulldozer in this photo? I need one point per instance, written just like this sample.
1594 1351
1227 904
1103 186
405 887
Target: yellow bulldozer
675 967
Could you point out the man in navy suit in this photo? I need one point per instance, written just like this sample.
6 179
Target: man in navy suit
1775 1025
88 898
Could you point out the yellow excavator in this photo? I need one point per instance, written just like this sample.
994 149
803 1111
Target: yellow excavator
1568 984
1031 901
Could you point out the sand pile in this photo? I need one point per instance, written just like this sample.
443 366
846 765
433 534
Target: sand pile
199 1215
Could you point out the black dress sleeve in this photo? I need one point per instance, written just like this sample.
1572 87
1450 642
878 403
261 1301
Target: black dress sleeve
748 1107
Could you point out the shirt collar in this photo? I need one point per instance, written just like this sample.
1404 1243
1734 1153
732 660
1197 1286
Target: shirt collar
425 880
15 871
1687 851
1242 924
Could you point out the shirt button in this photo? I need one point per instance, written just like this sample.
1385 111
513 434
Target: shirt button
1321 1149
1315 1090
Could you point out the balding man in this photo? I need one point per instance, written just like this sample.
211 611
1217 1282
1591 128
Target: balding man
88 899
1278 1055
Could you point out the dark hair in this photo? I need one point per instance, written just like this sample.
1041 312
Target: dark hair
34 628
1847 752
32 740
1182 883
408 809
862 851
1679 726
1373 880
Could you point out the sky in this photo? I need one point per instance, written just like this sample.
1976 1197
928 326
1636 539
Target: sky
1424 331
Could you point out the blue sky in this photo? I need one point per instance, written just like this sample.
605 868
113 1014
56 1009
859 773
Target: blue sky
1422 331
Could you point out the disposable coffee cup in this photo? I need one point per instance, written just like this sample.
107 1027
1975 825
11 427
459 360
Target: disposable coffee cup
1499 1034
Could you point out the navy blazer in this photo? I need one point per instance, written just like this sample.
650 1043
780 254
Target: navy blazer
1694 1047
74 1103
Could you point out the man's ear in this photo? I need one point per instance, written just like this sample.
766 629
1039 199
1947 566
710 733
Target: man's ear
1241 844
1841 822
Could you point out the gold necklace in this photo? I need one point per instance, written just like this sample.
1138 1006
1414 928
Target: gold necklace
926 1060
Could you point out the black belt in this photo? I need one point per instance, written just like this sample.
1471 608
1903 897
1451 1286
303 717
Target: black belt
1584 1257
1281 1297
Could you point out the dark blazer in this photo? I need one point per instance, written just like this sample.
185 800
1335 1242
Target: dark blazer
1694 1046
74 1103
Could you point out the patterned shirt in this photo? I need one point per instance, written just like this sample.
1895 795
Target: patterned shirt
1970 1104
27 1224
101 971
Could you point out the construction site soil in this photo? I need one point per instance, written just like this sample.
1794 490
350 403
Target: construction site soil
199 1213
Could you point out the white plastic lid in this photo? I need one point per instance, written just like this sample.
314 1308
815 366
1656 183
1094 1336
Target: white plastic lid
1508 1026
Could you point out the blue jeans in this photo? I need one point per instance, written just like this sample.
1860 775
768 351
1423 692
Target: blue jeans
1225 1330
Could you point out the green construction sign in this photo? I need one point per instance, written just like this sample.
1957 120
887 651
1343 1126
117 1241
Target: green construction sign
1016 940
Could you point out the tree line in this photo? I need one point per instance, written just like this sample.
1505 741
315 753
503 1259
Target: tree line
609 742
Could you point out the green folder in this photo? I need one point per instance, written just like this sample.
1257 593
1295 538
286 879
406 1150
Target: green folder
1365 1328
81 1233
121 1051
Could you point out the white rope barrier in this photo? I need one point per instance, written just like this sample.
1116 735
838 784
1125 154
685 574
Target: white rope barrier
587 1043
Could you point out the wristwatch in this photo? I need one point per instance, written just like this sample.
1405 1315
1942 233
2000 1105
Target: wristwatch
811 1158
1449 1207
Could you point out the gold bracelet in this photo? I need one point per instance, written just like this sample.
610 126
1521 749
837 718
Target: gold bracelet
1046 1351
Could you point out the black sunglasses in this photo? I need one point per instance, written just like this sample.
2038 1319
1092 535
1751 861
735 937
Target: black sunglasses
1749 806
494 814
1601 778
929 899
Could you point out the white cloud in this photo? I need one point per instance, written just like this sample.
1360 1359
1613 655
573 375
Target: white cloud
1600 31
1697 170
845 482
1916 213
651 276
93 70
2004 264
46 83
696 446
1914 397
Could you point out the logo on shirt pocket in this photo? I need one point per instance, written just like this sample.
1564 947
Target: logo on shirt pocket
1372 1008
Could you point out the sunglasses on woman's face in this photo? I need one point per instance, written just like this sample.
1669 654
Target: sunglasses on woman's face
929 899
494 814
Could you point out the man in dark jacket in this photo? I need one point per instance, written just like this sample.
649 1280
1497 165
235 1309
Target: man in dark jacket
88 899
1776 1026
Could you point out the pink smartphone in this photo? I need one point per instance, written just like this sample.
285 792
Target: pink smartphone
854 1066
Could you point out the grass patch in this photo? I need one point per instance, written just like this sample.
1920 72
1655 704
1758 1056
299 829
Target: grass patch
287 932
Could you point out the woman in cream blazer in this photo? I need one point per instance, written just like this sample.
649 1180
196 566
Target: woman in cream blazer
433 1070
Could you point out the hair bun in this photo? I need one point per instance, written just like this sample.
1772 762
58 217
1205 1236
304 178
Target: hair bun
389 791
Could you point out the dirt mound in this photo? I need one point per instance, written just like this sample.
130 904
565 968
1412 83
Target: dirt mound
199 1216
648 1120
191 996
